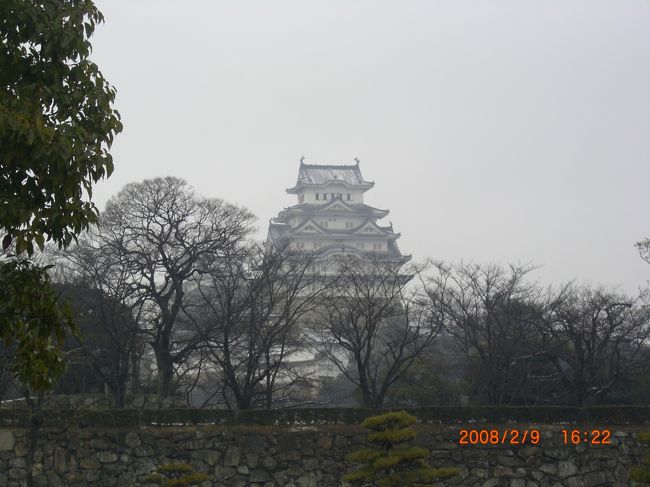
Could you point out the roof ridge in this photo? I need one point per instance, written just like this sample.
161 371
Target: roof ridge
338 166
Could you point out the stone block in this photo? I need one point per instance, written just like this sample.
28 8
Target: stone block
500 471
92 475
574 482
259 476
20 450
54 480
324 442
594 479
269 462
224 473
17 463
7 440
132 439
107 457
566 469
254 443
310 464
60 459
510 461
548 468
143 451
89 464
100 444
232 457
17 473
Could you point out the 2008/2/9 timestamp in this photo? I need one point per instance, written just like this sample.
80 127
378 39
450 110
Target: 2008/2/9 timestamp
498 437
592 437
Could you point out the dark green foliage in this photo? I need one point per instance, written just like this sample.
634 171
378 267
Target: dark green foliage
104 355
56 120
390 462
56 126
176 475
426 383
33 323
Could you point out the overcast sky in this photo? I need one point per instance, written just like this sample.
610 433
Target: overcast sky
500 131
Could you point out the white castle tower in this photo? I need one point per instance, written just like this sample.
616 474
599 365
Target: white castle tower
331 220
331 217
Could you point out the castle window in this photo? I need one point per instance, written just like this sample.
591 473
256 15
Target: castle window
301 198
323 224
324 196
317 196
316 245
348 196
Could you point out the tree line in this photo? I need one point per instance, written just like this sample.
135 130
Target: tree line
172 293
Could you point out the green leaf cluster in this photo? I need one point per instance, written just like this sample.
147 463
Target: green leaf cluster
56 127
33 323
56 121
390 462
176 475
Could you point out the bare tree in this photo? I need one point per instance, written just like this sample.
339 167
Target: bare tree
372 328
604 337
160 231
250 309
107 307
644 249
494 316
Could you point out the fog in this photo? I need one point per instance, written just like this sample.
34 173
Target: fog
503 131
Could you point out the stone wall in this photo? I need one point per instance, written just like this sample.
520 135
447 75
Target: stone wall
295 456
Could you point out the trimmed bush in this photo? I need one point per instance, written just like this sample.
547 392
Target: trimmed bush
390 462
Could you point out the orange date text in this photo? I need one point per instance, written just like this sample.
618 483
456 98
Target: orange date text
498 437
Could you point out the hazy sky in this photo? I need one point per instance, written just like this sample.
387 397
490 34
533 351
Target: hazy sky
500 131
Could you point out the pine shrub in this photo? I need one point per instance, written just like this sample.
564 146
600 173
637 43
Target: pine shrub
390 461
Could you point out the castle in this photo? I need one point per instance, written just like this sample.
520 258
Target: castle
331 217
331 220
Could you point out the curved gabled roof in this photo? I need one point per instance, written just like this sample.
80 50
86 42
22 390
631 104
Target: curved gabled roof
331 208
324 174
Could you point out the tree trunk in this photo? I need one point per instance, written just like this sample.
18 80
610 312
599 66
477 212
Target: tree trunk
165 366
120 392
35 422
135 373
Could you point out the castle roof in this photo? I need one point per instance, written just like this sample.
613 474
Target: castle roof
323 174
336 205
